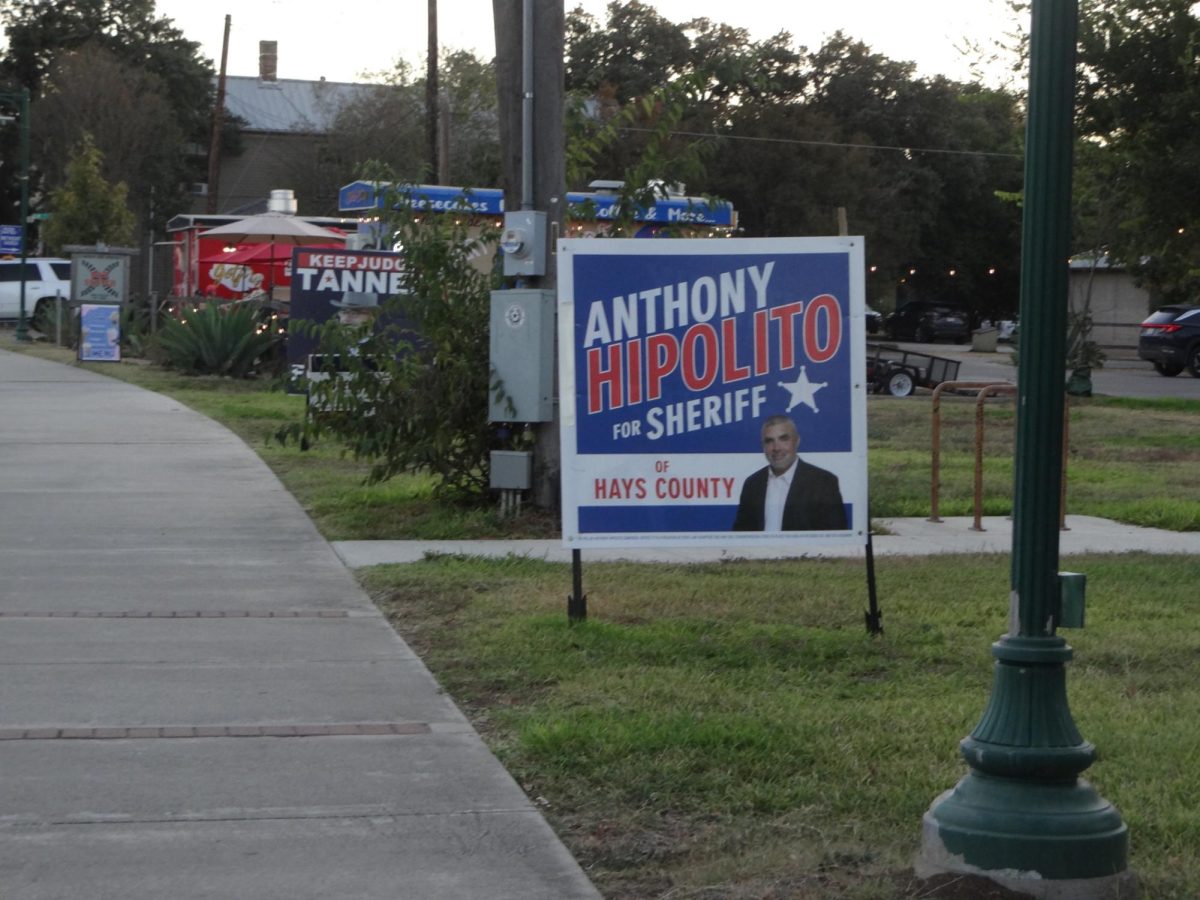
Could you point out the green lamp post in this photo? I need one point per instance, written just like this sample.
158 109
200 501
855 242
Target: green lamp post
22 332
1022 816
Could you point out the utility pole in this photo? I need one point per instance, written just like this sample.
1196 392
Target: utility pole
431 94
1022 816
534 180
218 121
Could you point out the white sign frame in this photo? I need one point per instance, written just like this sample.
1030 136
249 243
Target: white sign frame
627 305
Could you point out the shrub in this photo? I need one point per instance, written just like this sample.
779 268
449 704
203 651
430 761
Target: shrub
216 338
57 322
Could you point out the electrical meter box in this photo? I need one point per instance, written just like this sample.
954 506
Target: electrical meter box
523 241
522 356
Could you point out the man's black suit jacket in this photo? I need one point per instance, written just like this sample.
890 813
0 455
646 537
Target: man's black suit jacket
814 501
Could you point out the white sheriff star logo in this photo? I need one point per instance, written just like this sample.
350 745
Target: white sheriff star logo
802 391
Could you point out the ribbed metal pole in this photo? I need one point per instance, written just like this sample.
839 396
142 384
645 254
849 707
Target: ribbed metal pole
22 332
1022 816
1045 249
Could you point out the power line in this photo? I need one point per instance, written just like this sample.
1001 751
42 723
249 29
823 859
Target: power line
770 140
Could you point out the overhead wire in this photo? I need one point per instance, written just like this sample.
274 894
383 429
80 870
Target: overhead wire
842 144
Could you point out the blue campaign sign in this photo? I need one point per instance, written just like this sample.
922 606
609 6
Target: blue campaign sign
344 284
688 366
10 240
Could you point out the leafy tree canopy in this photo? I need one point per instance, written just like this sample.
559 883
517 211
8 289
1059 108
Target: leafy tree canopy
40 31
1140 172
792 136
150 78
125 110
387 126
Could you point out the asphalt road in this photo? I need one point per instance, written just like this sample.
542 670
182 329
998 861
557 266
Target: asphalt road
1121 376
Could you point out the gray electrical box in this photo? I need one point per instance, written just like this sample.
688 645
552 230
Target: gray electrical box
522 355
524 242
511 470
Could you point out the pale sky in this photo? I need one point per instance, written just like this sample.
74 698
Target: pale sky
341 41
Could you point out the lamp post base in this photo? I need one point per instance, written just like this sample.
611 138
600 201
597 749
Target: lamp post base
1058 840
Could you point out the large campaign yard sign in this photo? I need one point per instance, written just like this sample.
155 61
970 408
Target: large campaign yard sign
326 282
673 355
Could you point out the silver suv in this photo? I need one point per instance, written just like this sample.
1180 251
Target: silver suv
45 279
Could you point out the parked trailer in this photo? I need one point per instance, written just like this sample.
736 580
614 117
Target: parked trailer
900 372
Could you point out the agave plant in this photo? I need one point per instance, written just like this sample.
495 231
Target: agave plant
217 338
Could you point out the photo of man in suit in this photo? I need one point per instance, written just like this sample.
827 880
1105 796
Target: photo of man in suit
789 494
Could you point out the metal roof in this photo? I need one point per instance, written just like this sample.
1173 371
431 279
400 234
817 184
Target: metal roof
289 106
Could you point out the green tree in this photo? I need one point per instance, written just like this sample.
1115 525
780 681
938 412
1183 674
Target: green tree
791 137
700 73
915 163
154 55
1138 101
87 209
386 126
124 109
468 86
634 53
663 158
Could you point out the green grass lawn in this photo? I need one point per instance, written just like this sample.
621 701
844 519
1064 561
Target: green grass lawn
728 730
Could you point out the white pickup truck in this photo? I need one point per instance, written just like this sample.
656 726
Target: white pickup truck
45 279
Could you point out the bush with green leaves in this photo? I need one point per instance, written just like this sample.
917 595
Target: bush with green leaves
217 338
57 322
412 391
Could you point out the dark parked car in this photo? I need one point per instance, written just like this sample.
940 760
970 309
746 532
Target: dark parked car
1170 339
874 318
925 322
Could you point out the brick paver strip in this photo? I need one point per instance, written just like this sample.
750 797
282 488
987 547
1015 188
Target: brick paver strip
340 729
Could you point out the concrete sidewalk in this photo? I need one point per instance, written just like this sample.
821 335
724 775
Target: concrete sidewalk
197 699
905 537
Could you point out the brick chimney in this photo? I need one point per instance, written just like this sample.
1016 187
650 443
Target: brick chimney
268 60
